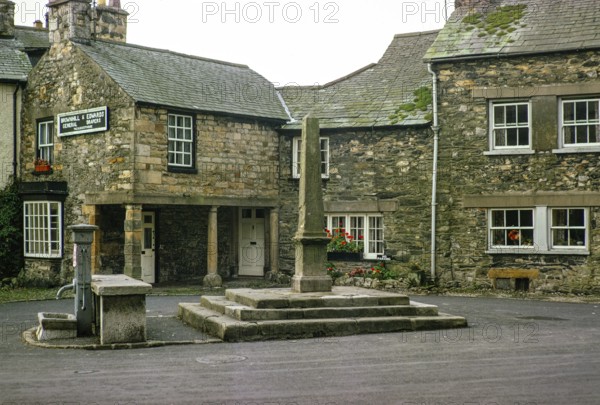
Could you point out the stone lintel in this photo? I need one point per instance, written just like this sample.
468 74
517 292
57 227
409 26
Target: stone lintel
116 198
369 206
517 200
538 91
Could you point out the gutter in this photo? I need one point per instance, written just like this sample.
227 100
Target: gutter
436 137
15 132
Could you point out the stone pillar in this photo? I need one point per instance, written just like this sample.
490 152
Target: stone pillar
213 279
93 214
274 240
311 241
7 19
133 241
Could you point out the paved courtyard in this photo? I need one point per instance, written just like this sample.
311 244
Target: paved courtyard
514 352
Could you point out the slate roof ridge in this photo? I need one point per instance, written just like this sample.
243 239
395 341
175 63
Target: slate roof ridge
161 50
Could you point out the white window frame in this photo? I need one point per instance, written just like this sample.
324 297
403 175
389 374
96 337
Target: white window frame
369 234
568 227
512 232
542 233
563 124
43 229
180 137
508 149
296 150
45 141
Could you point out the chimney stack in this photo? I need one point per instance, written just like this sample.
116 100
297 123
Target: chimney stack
7 19
69 19
111 22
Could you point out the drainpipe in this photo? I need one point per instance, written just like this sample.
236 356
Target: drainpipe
436 138
15 131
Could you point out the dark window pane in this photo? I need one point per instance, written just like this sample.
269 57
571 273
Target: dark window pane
581 111
523 115
559 217
511 137
497 218
576 218
527 237
569 112
577 237
512 218
499 115
526 218
500 137
523 136
511 115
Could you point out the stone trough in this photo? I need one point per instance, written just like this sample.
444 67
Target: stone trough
56 326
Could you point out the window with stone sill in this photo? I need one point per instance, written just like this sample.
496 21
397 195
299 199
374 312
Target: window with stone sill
181 140
538 230
42 225
580 123
45 141
296 151
510 127
365 229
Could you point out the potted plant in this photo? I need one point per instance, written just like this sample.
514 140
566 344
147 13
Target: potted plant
42 166
342 246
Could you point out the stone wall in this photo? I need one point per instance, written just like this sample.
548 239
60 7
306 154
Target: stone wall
391 166
236 157
66 80
466 89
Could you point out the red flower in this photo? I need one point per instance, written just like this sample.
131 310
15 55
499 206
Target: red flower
513 235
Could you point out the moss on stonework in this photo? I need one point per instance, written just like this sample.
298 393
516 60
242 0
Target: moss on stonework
498 23
421 102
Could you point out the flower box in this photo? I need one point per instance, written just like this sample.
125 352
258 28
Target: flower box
344 256
42 168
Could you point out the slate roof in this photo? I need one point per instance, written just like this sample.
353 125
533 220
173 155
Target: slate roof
546 26
14 62
166 78
367 98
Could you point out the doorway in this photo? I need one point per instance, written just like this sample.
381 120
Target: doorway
149 247
252 242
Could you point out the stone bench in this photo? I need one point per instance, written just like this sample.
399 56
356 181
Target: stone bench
513 279
120 306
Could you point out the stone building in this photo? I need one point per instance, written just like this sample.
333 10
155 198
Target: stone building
376 146
519 186
20 48
174 157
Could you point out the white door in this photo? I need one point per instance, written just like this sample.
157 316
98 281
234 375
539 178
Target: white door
148 248
252 242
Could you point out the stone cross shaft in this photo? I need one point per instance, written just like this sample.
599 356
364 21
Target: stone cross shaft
311 241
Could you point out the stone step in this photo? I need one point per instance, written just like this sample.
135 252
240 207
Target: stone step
246 313
233 330
339 297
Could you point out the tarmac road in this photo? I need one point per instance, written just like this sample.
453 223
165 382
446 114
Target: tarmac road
514 352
